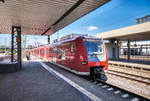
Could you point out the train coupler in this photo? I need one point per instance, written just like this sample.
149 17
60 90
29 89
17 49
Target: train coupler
98 74
102 77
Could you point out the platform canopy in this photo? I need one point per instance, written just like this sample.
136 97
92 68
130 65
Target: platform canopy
43 17
137 32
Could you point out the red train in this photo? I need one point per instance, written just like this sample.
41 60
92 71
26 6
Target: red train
82 55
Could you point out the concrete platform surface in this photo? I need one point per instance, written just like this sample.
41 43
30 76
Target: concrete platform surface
34 83
97 90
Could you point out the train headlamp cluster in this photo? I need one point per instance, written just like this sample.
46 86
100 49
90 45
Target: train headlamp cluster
84 62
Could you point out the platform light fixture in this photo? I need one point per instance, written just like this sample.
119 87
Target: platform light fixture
2 1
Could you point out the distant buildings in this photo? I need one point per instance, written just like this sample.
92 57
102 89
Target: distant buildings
143 19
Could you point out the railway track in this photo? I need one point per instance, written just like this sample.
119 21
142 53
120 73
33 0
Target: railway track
130 83
118 91
115 90
137 78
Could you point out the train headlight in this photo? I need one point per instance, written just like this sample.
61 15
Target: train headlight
84 62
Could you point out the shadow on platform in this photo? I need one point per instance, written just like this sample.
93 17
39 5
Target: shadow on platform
9 67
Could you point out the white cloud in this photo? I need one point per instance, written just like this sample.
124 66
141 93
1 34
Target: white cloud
92 28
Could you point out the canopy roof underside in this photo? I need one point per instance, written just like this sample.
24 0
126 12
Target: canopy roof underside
43 17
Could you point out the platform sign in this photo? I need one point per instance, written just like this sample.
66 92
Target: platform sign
18 39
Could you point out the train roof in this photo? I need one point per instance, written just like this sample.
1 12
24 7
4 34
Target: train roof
72 39
64 41
68 40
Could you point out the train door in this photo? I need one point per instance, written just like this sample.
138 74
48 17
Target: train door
50 54
54 54
39 53
45 54
72 56
62 52
42 53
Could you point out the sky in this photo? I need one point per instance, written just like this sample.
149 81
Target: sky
113 15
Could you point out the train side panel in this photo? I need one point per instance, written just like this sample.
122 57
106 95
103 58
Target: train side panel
66 55
81 56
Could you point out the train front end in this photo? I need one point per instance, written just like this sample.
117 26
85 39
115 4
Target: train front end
97 58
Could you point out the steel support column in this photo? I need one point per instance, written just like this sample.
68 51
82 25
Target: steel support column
12 44
19 54
48 39
16 33
118 49
129 50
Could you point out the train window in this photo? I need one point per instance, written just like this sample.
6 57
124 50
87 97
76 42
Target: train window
94 47
72 48
63 54
54 50
50 50
59 51
45 51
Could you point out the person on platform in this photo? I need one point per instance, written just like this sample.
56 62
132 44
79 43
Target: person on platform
28 55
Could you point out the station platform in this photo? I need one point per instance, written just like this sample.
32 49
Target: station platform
34 83
132 65
133 61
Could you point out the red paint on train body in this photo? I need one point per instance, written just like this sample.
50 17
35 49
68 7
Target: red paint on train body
79 54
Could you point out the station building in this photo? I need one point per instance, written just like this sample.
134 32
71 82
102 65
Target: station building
143 19
134 33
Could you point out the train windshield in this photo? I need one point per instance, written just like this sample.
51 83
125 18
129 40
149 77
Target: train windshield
94 46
